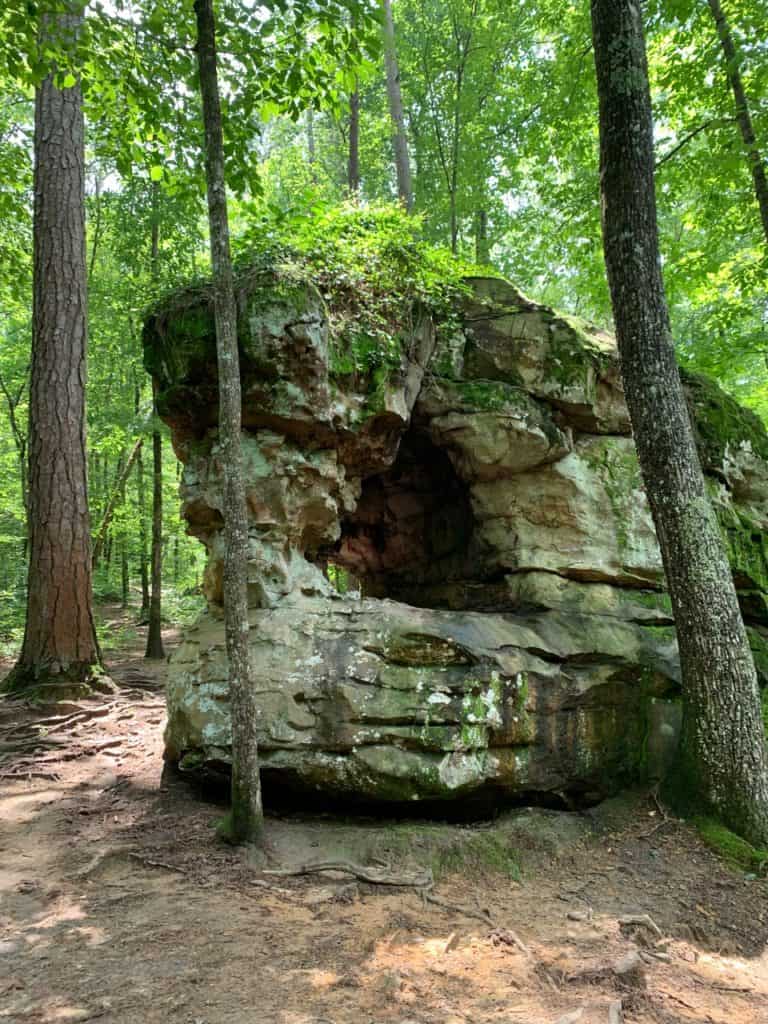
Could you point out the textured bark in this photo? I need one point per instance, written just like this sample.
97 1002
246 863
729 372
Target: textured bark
60 647
246 789
395 99
353 163
743 117
723 751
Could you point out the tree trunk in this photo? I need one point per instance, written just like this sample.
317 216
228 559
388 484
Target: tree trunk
311 147
482 249
246 819
353 164
60 650
395 99
142 502
724 758
124 578
756 162
117 495
155 647
20 441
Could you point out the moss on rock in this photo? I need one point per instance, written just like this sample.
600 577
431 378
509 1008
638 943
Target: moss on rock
719 421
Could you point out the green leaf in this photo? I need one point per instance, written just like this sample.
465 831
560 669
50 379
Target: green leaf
156 172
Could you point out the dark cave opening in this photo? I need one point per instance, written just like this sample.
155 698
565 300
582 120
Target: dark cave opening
412 530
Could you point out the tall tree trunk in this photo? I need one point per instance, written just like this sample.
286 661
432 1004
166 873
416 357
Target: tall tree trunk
482 249
124 579
395 99
60 649
117 496
756 162
247 814
154 630
311 146
724 758
353 163
155 647
13 398
142 502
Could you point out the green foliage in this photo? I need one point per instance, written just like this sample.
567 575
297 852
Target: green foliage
372 265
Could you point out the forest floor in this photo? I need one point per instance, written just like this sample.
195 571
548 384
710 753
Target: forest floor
118 904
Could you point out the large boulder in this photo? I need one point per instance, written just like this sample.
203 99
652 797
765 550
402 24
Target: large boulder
472 488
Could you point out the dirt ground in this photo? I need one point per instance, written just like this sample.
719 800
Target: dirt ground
118 904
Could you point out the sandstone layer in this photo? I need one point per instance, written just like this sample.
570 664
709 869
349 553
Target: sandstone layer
455 586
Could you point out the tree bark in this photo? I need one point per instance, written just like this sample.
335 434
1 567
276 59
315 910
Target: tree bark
60 649
724 758
155 647
353 164
247 817
743 117
395 99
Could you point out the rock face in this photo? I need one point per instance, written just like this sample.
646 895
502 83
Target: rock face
478 484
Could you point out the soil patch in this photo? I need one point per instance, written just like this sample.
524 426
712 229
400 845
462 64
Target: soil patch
118 904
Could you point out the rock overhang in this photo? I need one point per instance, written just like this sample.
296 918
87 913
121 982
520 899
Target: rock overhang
505 628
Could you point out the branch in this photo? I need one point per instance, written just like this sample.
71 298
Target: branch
713 121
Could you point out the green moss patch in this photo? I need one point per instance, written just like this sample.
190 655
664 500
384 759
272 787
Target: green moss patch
729 846
470 852
719 420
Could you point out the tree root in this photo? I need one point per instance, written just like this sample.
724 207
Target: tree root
374 875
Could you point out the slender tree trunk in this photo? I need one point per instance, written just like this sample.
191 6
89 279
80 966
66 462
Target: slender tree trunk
60 649
124 578
482 249
311 146
353 164
395 99
756 162
118 494
723 754
142 502
143 546
455 150
155 647
246 789
20 441
154 630
96 225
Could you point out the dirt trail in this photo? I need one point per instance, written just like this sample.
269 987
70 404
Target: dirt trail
117 904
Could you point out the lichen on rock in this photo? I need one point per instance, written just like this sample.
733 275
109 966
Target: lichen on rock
505 632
